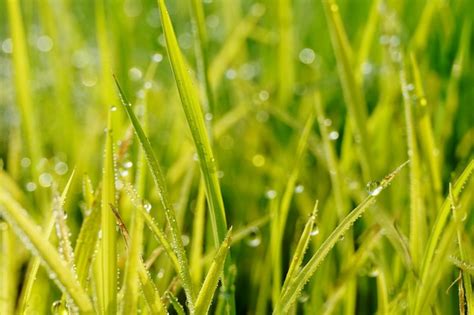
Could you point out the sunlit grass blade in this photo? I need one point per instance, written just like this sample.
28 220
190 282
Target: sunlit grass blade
425 23
153 226
417 212
233 45
286 67
370 31
301 247
176 305
7 272
34 264
204 298
170 214
426 130
195 119
437 231
353 95
30 234
466 278
197 239
106 258
23 84
289 296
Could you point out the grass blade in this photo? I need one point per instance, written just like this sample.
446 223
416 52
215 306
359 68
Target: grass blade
286 71
7 272
288 298
204 298
160 182
106 259
30 234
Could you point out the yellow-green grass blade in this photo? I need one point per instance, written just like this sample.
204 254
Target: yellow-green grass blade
7 272
195 119
175 302
420 38
301 247
463 252
202 55
33 267
286 71
33 238
233 45
370 32
204 298
426 130
160 182
23 84
153 226
417 213
452 93
352 91
438 228
106 258
288 298
197 239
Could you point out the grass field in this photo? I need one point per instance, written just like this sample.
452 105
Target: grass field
236 157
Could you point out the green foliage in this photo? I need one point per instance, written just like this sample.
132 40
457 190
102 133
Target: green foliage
236 113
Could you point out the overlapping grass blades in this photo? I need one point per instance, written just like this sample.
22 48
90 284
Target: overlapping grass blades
160 182
289 296
32 237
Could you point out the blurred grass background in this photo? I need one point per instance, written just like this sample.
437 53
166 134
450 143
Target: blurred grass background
265 62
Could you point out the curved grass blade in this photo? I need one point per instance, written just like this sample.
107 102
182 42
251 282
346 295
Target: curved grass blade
289 296
176 305
204 298
30 234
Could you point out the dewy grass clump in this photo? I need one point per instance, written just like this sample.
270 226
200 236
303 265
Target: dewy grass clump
237 157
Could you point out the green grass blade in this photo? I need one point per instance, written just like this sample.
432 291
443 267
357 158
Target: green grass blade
33 239
7 272
286 71
352 91
106 259
417 212
198 236
289 297
153 226
466 278
176 305
204 298
150 291
170 214
438 228
301 247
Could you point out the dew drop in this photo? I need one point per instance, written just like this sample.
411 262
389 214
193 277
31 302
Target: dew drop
333 135
307 56
299 189
254 238
208 116
185 239
45 180
263 95
374 188
258 160
61 168
147 206
30 186
270 194
303 298
314 231
157 58
128 164
25 162
113 108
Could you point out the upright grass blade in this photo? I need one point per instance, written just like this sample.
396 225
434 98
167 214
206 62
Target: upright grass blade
106 259
33 267
417 212
426 130
289 296
7 272
286 71
30 234
160 182
194 116
301 248
175 302
436 233
353 95
23 84
466 278
198 236
153 226
204 298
